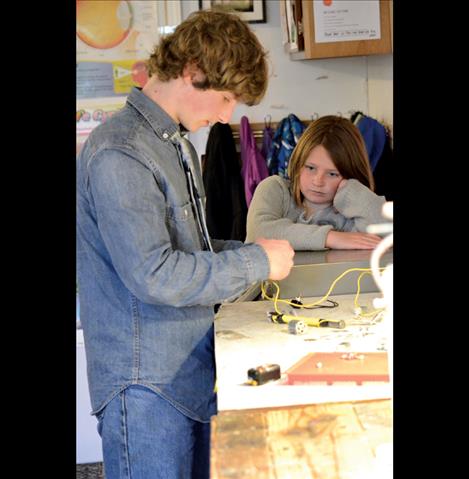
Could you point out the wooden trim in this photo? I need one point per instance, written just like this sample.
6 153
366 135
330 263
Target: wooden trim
258 128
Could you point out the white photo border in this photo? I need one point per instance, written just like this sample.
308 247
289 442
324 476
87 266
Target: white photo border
256 16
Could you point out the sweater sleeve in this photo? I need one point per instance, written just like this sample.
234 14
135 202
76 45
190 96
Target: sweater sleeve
267 218
359 205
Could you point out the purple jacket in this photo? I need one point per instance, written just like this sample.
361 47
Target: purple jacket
254 168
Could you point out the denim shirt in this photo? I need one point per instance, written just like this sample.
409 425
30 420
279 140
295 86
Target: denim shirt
147 287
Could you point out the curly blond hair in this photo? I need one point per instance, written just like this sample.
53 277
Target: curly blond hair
222 47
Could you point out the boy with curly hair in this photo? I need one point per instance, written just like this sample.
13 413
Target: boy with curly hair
149 275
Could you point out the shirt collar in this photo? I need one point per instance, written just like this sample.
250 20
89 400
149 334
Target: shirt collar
163 125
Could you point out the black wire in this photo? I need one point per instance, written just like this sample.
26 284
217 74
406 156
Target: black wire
333 304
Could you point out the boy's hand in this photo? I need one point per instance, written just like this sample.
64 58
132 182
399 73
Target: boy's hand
280 254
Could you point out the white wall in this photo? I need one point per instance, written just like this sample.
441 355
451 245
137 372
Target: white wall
325 86
380 88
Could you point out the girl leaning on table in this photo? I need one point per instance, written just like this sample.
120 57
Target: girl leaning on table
328 200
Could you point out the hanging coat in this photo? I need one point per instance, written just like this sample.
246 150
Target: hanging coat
267 141
374 134
285 139
380 154
254 168
226 208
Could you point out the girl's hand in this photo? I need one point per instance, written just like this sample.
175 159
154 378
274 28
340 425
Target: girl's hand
342 183
351 240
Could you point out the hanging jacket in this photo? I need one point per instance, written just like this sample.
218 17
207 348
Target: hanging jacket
267 141
380 154
225 200
384 172
285 139
374 134
254 168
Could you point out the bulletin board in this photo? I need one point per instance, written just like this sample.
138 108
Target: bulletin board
316 43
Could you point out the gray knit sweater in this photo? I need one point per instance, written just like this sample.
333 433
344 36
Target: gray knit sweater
274 214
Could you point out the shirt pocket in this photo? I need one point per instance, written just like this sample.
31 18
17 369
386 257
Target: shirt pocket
183 229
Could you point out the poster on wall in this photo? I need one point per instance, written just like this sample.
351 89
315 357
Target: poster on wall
114 38
90 113
346 20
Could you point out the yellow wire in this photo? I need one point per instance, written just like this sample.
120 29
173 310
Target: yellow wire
335 282
355 301
370 313
324 298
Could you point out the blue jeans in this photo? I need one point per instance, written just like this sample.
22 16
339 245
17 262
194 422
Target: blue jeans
145 437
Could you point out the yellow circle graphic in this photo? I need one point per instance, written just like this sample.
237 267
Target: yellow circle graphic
103 23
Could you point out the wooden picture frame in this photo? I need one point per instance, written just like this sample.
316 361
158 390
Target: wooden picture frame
251 11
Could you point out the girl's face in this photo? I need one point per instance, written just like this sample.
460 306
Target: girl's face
319 178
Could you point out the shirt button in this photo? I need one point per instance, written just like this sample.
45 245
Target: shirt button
165 135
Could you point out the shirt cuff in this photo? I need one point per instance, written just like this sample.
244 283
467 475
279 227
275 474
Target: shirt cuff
257 262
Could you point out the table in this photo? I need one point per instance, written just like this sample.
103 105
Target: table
245 338
350 440
276 431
